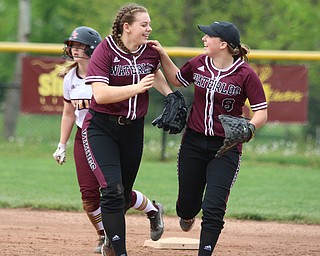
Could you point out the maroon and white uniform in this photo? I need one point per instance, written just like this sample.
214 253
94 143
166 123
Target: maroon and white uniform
205 180
115 67
76 92
113 133
219 92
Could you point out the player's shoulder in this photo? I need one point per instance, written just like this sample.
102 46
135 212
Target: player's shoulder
103 46
150 47
71 73
246 68
244 65
151 50
69 79
102 52
200 57
198 60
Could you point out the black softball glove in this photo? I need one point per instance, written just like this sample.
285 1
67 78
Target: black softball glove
237 130
174 115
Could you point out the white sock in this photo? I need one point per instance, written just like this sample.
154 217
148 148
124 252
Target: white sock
96 219
143 203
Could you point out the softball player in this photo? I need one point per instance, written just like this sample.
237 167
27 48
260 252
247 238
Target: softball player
222 82
77 97
121 71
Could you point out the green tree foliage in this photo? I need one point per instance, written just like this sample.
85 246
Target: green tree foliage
268 25
8 9
279 25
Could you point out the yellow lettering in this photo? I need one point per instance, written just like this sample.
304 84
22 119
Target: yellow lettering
264 72
48 108
54 100
42 100
267 90
274 95
87 103
50 84
285 96
81 104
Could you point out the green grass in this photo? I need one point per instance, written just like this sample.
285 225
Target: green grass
278 180
262 192
38 183
276 192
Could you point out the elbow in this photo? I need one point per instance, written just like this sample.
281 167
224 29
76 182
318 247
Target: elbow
99 99
96 97
176 83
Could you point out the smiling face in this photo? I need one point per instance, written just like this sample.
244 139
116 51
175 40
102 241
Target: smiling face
138 32
213 45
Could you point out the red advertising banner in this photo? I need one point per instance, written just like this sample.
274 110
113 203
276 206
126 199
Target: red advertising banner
42 89
286 89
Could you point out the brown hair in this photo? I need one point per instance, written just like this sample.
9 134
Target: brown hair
125 15
240 51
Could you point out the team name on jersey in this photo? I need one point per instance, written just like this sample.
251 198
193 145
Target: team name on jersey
127 70
87 151
81 104
218 86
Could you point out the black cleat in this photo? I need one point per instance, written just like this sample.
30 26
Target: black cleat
187 225
156 223
106 248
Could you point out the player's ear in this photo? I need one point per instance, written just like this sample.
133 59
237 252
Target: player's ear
126 27
223 45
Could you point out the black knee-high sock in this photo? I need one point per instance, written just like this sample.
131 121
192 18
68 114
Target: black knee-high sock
208 241
115 227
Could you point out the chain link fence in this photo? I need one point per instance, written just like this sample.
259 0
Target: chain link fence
38 135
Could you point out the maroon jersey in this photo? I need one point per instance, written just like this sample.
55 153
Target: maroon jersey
111 65
219 91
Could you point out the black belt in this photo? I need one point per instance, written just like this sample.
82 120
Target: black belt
198 134
120 120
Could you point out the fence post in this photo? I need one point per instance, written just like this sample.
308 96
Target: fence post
317 136
163 145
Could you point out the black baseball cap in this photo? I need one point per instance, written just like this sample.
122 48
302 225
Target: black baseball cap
225 30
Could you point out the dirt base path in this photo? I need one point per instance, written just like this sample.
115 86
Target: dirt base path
29 232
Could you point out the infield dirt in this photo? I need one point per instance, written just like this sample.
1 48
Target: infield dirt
31 232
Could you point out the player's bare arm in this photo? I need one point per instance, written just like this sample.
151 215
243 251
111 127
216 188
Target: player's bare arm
160 83
259 118
67 122
106 94
169 68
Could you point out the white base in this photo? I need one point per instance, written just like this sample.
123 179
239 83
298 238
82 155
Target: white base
175 243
